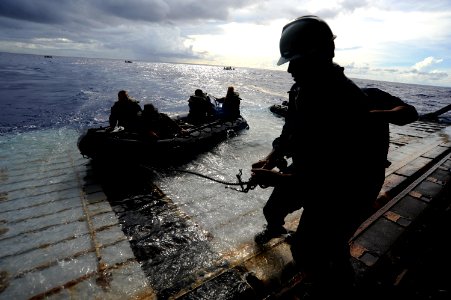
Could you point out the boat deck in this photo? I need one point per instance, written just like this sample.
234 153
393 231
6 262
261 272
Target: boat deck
67 233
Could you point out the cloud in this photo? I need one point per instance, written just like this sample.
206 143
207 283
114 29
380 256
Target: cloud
396 74
392 36
140 29
36 11
426 63
351 5
68 11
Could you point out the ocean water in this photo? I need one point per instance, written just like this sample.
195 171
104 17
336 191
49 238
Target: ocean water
41 93
47 103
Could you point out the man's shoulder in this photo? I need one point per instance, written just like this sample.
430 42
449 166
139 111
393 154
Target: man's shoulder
116 105
295 87
135 104
164 115
194 98
372 91
376 94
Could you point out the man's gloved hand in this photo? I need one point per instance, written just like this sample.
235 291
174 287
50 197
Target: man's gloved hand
267 163
264 177
261 164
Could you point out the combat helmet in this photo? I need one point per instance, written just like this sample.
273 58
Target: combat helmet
304 36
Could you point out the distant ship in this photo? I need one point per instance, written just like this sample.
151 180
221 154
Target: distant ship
48 56
128 61
229 68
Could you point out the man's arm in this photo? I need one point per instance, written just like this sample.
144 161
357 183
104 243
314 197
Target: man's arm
398 115
388 108
113 118
281 144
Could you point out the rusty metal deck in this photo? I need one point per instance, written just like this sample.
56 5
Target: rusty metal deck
421 168
66 233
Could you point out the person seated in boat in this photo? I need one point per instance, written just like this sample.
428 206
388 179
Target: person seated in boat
230 104
200 108
125 112
158 125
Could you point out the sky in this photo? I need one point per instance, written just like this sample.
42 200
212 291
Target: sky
405 41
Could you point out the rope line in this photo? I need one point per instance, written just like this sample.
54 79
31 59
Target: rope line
245 185
208 177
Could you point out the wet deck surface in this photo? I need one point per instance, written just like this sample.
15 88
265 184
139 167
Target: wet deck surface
69 228
59 237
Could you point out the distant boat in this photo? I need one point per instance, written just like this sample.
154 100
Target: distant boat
229 68
128 61
48 56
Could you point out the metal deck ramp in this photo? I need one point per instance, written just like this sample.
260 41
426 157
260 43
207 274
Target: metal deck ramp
58 235
65 233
